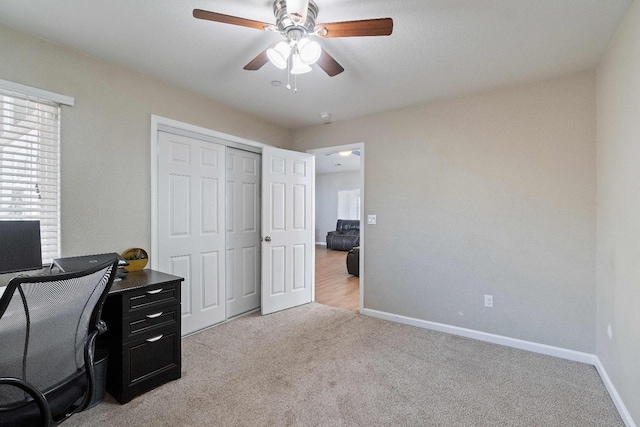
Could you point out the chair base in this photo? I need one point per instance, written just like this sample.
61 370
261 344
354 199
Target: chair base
60 401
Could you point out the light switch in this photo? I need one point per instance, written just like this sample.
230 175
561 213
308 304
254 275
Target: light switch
371 219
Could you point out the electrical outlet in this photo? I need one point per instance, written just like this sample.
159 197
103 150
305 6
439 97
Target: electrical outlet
371 219
488 301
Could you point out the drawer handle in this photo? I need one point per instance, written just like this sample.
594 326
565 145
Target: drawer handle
154 339
153 316
155 291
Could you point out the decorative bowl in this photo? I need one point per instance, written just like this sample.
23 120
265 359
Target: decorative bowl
136 257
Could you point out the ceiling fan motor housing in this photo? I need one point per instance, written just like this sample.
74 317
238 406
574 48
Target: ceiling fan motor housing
285 24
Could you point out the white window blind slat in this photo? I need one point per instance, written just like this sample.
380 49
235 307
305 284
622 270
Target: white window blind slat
45 146
29 164
46 142
29 158
26 121
42 195
20 110
27 128
21 171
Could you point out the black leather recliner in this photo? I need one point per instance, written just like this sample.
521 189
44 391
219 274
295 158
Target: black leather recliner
346 236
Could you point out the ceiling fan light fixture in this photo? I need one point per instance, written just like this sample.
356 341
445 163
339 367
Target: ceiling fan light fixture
309 51
297 11
278 55
297 66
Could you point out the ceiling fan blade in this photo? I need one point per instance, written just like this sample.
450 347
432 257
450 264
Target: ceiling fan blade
233 20
329 65
257 62
367 27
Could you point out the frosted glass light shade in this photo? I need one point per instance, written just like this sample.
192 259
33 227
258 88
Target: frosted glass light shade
297 66
297 11
309 51
278 55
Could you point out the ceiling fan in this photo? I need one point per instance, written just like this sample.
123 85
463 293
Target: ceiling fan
296 21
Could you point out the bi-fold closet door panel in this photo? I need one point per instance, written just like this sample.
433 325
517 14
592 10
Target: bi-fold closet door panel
209 227
191 225
243 231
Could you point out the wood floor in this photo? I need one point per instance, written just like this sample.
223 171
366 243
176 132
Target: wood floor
334 286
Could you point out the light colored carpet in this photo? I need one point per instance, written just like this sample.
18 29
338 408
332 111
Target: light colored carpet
321 366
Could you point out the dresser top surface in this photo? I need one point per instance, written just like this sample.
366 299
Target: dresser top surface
142 278
134 280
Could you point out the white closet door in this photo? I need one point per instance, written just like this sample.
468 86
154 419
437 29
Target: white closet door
191 231
243 231
288 180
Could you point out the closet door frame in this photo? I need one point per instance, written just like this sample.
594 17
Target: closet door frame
164 124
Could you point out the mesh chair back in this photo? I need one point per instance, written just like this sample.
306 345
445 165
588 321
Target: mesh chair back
45 322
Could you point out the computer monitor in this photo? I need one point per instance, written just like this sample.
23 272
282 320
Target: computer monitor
20 247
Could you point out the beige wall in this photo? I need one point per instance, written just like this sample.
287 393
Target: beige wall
618 161
489 194
106 137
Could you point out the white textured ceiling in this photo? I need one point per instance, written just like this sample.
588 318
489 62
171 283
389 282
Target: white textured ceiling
438 49
336 163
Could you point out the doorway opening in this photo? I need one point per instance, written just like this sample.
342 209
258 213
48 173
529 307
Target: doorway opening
334 285
339 192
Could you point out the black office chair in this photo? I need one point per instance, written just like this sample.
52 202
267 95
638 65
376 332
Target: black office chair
48 328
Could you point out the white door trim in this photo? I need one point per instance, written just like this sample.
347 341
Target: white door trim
156 123
360 147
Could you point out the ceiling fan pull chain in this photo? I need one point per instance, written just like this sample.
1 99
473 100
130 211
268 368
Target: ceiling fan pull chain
289 72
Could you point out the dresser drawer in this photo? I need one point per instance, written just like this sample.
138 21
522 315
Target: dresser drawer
153 296
153 356
150 363
161 318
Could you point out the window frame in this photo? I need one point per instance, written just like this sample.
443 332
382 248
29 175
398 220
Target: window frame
34 155
358 205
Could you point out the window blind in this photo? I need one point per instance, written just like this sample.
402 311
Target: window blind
30 165
349 204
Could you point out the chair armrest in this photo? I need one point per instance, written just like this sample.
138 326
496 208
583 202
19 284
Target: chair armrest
37 396
102 327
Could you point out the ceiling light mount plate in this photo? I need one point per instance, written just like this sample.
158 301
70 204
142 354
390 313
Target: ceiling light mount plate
284 21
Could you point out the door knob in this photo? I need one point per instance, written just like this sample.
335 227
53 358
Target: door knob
267 239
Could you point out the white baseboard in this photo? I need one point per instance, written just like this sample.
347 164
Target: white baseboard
617 400
549 350
321 243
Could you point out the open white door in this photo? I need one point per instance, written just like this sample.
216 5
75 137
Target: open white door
288 180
